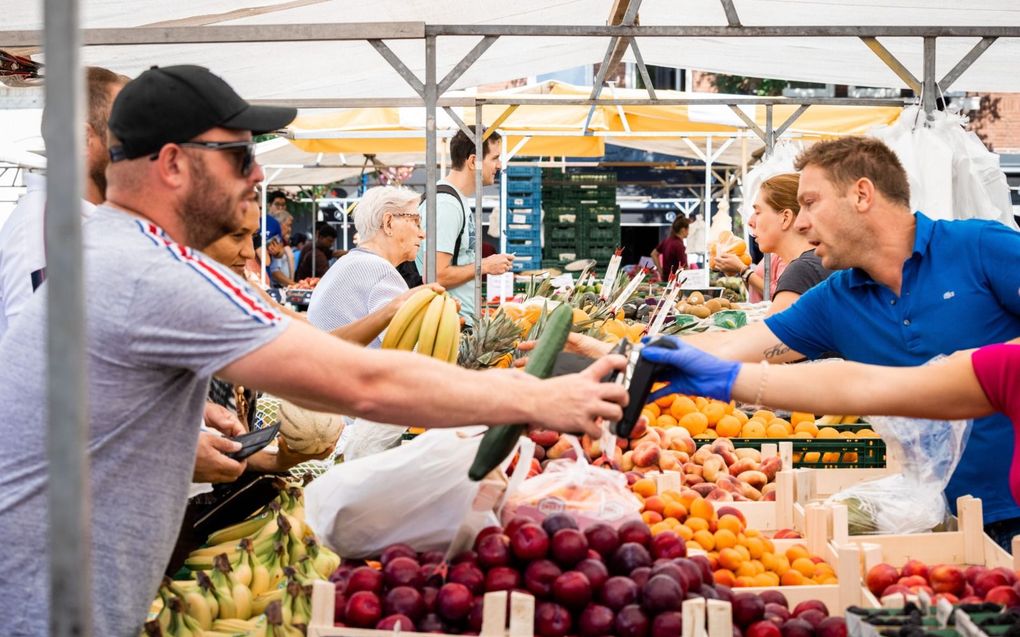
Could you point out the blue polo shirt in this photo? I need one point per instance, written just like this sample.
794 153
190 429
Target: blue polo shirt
960 290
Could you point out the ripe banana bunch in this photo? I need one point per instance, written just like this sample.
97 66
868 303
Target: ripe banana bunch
428 320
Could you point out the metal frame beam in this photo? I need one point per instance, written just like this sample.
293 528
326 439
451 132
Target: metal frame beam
499 120
807 31
789 121
465 64
399 66
431 96
646 77
751 124
237 33
459 122
469 102
894 64
731 13
928 95
617 16
965 62
628 19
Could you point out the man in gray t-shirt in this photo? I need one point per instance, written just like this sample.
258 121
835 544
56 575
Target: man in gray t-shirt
182 172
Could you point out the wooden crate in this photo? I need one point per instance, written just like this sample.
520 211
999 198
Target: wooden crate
966 546
701 618
495 621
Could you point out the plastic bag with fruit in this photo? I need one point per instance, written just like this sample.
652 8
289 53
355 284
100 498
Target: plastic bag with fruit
590 494
911 501
415 494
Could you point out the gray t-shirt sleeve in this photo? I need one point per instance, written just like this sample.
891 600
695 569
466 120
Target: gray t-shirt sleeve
201 317
803 273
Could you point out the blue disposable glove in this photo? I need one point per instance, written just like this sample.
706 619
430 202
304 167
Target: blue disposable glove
692 371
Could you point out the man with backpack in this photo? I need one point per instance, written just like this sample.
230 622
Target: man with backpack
455 225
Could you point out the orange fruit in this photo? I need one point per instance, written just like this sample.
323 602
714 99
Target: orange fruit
682 406
674 510
665 421
724 576
730 523
730 559
714 411
702 508
743 551
804 565
665 401
812 457
791 578
848 435
651 517
866 433
724 539
783 422
806 427
707 540
695 423
743 581
644 487
797 551
741 416
652 407
700 401
657 504
685 532
753 429
708 434
829 579
697 524
660 527
728 427
764 415
828 432
649 415
693 546
777 430
798 417
756 547
830 457
746 569
766 580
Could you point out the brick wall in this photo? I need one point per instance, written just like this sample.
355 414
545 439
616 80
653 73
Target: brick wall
997 122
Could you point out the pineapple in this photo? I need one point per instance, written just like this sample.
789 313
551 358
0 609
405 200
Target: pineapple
491 344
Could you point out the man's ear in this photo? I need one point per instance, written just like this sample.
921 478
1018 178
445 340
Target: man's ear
863 193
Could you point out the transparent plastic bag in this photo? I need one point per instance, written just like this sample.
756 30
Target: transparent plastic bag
590 494
911 501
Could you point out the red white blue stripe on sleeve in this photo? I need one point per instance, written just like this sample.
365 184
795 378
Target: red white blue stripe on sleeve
225 283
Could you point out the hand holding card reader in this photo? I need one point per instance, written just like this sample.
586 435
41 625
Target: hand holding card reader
641 375
254 441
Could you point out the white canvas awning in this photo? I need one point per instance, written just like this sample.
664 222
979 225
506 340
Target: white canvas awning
354 69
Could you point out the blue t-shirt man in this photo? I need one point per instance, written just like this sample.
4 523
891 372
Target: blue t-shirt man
960 290
453 216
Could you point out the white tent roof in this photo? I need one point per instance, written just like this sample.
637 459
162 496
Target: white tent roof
354 69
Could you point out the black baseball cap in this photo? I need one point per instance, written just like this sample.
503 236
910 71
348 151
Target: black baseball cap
174 104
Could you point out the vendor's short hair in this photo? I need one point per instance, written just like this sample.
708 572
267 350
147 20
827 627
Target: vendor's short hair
679 225
375 203
848 159
325 229
462 147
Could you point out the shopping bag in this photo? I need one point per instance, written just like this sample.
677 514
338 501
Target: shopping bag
417 494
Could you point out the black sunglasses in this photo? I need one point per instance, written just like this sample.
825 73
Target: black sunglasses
245 150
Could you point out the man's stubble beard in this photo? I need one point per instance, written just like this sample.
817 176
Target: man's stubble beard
208 210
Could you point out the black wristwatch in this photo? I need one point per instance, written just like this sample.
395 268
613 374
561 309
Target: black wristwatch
746 274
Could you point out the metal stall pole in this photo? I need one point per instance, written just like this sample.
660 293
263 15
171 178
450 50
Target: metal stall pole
431 98
504 214
315 238
479 154
708 191
770 145
69 528
262 230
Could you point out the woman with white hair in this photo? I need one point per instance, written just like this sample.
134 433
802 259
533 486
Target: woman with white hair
366 278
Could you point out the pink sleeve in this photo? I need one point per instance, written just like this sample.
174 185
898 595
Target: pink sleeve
997 368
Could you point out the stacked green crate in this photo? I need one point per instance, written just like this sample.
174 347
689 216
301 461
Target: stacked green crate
581 218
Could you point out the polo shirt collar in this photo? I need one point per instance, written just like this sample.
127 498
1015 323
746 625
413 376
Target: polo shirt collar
924 228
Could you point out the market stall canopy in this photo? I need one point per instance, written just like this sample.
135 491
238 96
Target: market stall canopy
352 69
287 165
557 130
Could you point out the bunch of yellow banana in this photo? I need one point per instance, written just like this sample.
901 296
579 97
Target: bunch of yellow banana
427 323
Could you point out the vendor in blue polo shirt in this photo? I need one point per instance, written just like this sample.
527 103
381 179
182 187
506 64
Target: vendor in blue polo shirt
910 289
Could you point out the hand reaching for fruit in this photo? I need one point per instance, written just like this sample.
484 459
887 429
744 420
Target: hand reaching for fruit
692 371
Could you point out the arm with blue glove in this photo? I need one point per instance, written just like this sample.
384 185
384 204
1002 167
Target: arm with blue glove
946 389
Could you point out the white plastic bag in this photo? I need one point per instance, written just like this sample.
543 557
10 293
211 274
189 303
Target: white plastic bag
417 494
368 438
912 501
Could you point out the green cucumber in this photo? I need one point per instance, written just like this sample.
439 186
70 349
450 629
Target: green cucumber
499 442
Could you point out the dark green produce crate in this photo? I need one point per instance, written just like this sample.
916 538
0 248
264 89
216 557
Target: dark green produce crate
560 232
870 451
601 255
596 236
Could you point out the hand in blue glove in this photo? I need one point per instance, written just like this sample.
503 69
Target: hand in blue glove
692 371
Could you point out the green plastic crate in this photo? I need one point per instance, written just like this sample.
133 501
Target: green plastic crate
560 232
870 452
